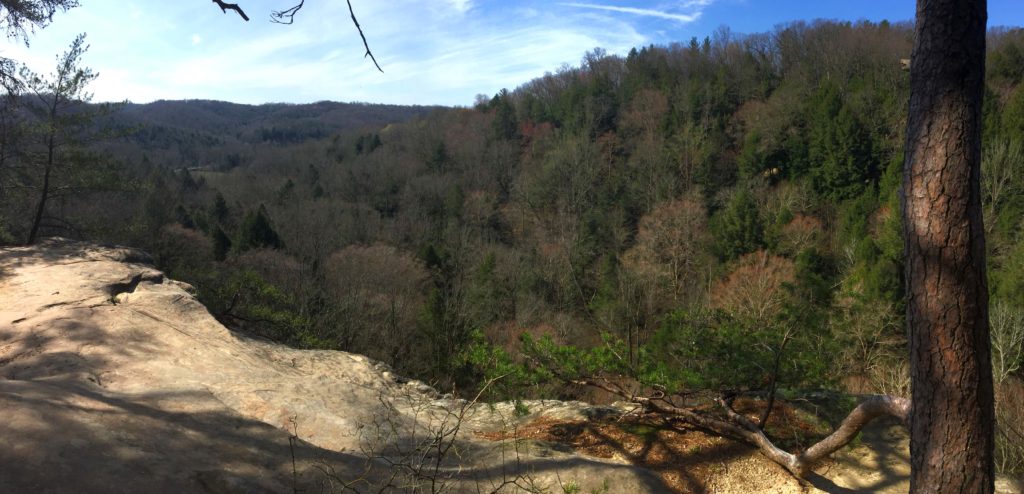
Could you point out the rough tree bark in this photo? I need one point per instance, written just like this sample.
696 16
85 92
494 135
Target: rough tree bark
947 306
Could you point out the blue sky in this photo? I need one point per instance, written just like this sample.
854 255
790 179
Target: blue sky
432 51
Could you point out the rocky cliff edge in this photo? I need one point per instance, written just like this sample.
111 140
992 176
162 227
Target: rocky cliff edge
114 378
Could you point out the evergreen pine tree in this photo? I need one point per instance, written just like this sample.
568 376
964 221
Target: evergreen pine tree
221 244
738 228
841 162
256 232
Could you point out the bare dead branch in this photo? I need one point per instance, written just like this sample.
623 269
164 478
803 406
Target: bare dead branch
361 35
286 16
224 7
773 384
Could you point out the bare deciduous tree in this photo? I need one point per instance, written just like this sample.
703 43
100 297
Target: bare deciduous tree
670 251
1007 326
755 290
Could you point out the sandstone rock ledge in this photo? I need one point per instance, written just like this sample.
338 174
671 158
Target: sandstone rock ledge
114 378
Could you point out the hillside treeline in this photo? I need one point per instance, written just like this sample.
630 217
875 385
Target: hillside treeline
715 214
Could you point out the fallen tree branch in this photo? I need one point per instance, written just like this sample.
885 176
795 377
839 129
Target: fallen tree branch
741 428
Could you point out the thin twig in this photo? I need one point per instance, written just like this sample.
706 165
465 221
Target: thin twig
361 35
291 446
279 16
287 16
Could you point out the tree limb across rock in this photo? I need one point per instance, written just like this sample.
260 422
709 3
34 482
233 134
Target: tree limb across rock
741 428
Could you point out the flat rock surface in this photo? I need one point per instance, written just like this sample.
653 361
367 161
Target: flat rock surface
114 378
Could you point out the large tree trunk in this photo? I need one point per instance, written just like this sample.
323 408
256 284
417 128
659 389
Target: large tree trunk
952 416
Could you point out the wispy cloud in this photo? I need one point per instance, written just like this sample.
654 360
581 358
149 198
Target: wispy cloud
462 6
662 14
432 51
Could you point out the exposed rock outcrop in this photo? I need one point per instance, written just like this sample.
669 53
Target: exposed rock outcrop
113 378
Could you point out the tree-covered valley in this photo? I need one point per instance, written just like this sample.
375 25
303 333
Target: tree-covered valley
714 215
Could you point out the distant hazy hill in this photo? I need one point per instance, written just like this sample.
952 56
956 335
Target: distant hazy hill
190 132
218 117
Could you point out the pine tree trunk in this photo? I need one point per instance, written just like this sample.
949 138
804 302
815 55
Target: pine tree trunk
947 307
44 194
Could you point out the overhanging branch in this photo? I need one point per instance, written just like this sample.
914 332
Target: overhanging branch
287 16
224 7
361 35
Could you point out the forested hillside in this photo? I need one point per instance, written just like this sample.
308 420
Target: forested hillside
218 135
720 214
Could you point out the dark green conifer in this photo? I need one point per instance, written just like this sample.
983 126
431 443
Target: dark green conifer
738 228
221 244
256 232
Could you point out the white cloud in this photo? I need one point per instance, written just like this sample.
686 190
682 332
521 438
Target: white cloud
462 6
682 18
432 52
684 12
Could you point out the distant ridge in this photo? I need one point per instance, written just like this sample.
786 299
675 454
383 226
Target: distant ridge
219 135
219 117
